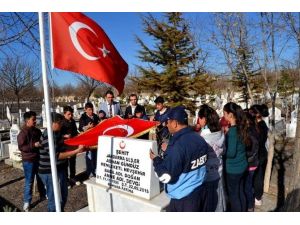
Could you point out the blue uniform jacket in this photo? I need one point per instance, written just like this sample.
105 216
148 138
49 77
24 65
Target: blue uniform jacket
183 167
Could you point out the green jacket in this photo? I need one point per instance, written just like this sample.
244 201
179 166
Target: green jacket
236 161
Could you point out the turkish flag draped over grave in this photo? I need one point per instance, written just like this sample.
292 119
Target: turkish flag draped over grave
116 127
80 45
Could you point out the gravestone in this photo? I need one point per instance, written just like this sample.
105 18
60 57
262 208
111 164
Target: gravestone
14 152
243 105
44 116
291 129
76 113
4 151
21 116
8 114
124 164
57 110
294 116
125 178
277 113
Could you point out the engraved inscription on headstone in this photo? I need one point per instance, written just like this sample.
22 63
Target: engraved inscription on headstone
124 164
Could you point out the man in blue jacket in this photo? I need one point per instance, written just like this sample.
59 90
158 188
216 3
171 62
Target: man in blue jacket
182 168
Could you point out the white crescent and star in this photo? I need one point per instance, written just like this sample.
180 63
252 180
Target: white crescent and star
73 30
129 129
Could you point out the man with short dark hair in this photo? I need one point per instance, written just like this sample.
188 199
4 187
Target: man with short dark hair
182 168
87 121
162 132
61 164
69 130
133 106
110 107
28 143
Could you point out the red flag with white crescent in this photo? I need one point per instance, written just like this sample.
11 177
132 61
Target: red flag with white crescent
116 127
80 45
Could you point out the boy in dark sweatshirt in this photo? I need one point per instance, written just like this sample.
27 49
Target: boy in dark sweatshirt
28 143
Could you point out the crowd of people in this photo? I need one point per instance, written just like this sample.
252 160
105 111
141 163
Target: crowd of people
217 165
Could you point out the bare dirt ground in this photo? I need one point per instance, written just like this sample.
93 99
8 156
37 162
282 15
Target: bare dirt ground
12 181
11 193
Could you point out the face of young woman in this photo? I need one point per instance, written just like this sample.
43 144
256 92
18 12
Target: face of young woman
202 122
229 118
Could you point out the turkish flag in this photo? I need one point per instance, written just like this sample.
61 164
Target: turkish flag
80 45
116 127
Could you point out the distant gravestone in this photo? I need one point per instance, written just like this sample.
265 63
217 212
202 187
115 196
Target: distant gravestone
124 164
57 110
295 99
8 114
294 116
14 152
76 113
196 117
44 116
243 105
291 129
277 113
21 116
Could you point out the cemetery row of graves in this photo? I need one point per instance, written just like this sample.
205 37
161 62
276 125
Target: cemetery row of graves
285 129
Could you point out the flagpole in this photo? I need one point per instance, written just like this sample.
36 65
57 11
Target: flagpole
48 116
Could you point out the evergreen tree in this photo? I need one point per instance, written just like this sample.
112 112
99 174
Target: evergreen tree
171 61
245 74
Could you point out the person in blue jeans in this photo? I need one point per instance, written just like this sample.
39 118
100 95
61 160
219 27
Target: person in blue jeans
252 157
89 120
28 143
61 162
235 158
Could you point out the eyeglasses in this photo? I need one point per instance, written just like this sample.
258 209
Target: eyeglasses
133 99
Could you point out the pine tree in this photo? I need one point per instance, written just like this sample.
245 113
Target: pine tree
245 74
171 61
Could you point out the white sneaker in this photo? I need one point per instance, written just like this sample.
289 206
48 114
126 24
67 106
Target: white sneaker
258 202
26 207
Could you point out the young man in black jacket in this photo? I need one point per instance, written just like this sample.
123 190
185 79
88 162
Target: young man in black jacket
69 130
87 121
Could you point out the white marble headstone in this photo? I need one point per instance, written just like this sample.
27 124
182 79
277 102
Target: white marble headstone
294 116
44 115
8 114
277 113
291 129
124 164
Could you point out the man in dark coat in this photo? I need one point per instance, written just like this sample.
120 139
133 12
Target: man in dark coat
69 130
133 107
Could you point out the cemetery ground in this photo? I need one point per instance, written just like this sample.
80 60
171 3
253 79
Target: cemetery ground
11 193
12 181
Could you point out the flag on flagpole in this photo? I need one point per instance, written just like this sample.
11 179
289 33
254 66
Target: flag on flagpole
116 127
80 45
